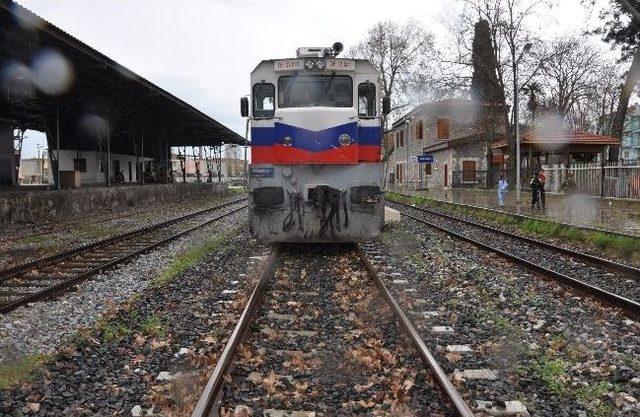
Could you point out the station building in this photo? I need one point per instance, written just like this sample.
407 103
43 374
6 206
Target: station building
447 130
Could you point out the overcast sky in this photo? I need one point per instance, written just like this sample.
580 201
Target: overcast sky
204 50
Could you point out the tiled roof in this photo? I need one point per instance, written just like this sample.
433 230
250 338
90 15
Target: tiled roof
561 137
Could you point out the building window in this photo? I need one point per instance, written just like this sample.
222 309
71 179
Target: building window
443 125
401 140
399 173
80 165
366 100
427 169
468 171
420 129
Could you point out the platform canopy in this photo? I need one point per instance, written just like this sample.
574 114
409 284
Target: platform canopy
52 82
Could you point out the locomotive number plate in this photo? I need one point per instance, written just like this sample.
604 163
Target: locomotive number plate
261 172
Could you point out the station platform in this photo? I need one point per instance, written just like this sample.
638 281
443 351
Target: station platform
619 216
25 205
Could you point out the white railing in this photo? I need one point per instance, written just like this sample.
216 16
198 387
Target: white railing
612 179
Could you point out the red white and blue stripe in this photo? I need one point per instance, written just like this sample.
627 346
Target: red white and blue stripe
309 146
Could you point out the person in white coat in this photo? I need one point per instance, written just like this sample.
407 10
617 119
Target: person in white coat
502 190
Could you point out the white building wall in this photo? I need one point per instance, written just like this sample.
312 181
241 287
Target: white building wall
94 174
410 151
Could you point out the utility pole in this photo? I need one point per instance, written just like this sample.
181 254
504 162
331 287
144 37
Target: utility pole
39 162
58 185
516 119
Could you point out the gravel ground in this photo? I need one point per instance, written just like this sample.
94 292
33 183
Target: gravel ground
20 247
325 342
615 282
586 247
155 351
41 327
557 353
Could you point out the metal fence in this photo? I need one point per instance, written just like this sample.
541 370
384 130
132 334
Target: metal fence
615 180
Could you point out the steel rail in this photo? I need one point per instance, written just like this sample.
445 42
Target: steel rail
630 306
54 289
212 390
461 407
523 216
9 273
596 260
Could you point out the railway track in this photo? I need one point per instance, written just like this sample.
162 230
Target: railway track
57 226
608 281
528 217
48 276
300 344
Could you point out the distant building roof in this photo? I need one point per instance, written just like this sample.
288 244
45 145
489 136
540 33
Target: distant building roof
453 143
429 106
555 139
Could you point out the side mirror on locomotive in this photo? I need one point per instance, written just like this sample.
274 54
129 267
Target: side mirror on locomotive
244 107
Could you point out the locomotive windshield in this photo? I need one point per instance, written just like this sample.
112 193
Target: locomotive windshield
315 91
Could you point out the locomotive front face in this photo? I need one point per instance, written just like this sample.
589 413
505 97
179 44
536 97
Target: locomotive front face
316 137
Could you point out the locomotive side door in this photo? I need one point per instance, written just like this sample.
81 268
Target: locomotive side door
367 100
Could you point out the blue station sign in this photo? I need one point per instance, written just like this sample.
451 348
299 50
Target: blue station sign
425 159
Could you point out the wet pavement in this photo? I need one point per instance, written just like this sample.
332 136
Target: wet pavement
620 216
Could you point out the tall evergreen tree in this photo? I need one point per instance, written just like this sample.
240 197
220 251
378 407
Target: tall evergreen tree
486 90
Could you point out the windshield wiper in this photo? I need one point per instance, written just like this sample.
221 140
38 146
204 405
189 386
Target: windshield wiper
326 90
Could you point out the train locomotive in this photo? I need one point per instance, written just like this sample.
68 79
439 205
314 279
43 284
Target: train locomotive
316 133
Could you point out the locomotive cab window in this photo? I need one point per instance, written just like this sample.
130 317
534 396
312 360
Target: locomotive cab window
315 91
366 100
264 96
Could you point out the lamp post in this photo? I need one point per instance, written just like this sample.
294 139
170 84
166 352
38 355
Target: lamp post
516 119
39 162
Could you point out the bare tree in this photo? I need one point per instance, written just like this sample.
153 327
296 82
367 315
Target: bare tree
622 29
403 54
570 74
231 155
605 100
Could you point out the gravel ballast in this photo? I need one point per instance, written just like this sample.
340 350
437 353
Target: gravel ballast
558 353
154 351
41 327
619 283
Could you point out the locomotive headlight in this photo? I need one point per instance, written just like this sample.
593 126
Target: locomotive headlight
320 64
287 141
309 64
345 139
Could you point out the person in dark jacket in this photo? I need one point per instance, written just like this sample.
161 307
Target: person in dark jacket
535 191
543 194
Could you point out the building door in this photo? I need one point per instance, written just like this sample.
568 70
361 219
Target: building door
468 171
130 172
116 170
446 175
